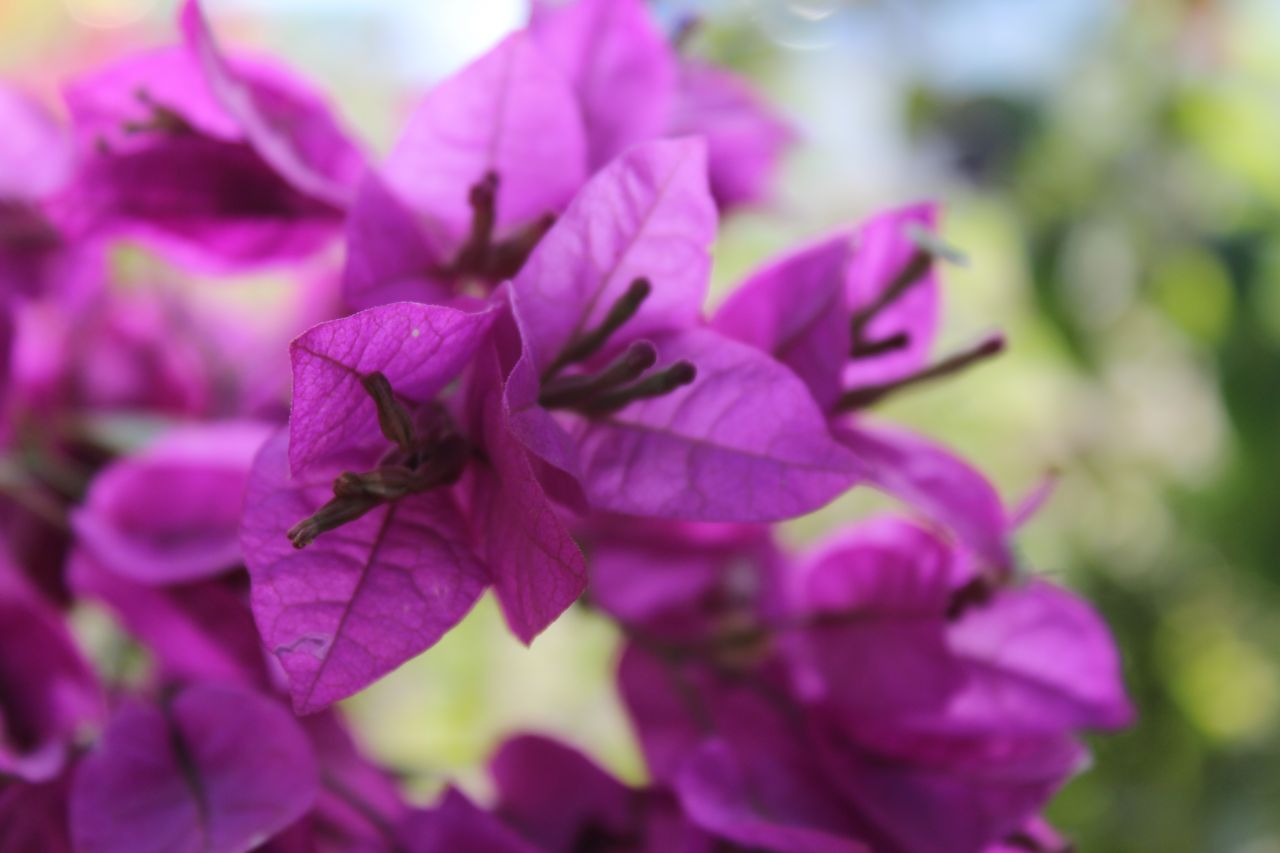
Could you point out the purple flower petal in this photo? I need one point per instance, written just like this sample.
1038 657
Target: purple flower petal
1038 659
212 205
537 568
874 604
511 112
47 690
287 124
456 825
389 258
766 806
171 513
552 794
33 816
794 309
35 151
935 482
745 138
197 632
647 215
215 768
744 442
360 600
621 64
419 348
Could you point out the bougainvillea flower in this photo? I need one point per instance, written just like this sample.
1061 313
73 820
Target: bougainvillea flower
855 315
223 163
171 512
213 767
486 159
892 685
36 257
718 432
745 139
621 65
403 504
47 690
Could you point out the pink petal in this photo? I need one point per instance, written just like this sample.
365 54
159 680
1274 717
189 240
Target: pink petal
171 512
35 151
419 348
745 138
936 483
389 258
216 768
456 825
621 64
794 309
362 599
647 215
1039 658
537 568
284 121
744 442
510 112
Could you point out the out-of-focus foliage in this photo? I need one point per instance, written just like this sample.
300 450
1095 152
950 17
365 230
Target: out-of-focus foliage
1120 208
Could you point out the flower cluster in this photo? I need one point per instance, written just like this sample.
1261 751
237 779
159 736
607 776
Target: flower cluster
528 397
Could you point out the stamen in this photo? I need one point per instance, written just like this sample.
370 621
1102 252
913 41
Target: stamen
869 349
567 391
334 514
393 420
163 119
860 398
929 247
506 258
655 385
586 344
484 214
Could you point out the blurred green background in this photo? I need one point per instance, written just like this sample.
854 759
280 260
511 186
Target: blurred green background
1112 171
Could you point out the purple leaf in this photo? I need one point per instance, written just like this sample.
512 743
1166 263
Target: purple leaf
210 204
215 768
745 139
744 442
935 482
647 215
362 599
794 309
389 258
511 112
47 690
419 348
621 65
882 249
171 512
287 124
537 568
